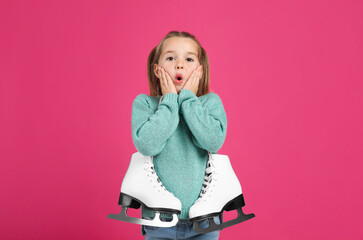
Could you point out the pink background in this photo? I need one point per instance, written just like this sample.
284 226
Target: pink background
289 74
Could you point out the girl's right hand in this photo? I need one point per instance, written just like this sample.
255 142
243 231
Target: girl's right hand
167 85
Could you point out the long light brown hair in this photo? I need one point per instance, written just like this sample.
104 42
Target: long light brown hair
154 83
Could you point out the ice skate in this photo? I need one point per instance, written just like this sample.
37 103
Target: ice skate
141 186
221 192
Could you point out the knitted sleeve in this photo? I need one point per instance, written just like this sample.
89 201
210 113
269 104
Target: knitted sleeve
150 128
207 121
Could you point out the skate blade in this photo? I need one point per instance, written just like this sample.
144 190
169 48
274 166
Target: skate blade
156 222
215 227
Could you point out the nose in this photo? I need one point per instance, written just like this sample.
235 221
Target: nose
180 64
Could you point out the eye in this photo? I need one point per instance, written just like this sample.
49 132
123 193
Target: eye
188 59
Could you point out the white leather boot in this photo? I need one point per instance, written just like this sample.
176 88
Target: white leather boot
141 186
221 192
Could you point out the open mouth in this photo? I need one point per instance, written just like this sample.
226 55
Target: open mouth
179 78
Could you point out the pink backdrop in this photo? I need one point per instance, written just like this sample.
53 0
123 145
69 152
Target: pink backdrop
289 74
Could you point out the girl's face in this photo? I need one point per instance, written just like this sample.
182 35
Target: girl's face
179 56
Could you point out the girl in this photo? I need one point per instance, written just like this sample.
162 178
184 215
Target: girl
178 133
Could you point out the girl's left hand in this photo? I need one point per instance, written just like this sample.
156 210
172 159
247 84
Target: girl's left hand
193 81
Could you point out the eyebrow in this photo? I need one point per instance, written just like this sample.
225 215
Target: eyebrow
174 52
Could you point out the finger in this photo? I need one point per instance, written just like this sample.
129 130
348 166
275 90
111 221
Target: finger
162 78
197 80
165 78
193 75
159 72
170 80
192 80
162 74
168 77
200 69
187 82
196 76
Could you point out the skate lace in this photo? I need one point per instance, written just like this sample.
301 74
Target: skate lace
209 178
150 168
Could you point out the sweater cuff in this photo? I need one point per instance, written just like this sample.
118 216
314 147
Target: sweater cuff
186 94
170 99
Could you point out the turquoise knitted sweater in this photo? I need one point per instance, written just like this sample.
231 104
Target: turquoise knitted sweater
178 133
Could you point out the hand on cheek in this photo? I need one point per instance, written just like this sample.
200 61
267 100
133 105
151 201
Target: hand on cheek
166 84
192 83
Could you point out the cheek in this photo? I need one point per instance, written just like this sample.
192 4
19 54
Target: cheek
164 64
166 67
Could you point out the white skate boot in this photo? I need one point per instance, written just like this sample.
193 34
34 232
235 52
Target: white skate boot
221 191
141 186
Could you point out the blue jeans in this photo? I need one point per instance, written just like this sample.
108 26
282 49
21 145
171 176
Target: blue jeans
182 230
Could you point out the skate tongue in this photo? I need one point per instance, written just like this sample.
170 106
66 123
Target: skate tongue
209 176
150 168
